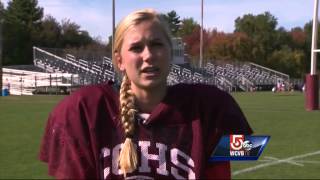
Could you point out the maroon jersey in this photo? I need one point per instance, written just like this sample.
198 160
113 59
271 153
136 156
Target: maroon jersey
83 135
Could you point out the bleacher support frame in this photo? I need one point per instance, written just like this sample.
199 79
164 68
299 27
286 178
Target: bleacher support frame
228 77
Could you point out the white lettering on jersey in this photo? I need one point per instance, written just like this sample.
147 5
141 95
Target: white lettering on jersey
105 152
115 160
174 159
145 156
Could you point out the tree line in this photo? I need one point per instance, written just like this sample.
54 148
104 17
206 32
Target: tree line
24 26
256 38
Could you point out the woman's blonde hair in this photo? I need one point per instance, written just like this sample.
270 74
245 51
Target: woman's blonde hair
128 158
133 19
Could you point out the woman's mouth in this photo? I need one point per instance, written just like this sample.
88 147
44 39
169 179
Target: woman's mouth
150 71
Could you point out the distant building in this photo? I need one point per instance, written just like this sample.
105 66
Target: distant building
178 51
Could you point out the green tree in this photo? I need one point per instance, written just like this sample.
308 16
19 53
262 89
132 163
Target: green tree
242 47
262 30
93 51
188 25
72 35
289 61
109 45
50 33
22 23
173 21
1 10
282 38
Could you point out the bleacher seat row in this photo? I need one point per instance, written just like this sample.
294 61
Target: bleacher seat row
227 76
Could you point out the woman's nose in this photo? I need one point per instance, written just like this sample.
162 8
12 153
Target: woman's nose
147 53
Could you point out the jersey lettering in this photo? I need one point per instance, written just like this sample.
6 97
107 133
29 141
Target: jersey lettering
105 153
146 157
115 160
174 159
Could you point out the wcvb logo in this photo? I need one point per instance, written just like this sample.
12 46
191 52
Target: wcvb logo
239 146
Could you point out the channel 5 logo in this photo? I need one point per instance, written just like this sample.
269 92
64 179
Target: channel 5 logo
236 142
239 147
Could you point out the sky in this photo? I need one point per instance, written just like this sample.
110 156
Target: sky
95 16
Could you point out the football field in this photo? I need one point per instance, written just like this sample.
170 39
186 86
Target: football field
293 151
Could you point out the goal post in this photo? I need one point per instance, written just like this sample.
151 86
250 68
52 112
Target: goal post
312 79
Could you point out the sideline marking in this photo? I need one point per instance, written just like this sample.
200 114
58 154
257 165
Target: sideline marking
274 163
289 161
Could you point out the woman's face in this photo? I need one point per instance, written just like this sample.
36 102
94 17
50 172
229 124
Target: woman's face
145 56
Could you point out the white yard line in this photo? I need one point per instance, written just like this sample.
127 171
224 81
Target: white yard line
310 162
289 159
282 160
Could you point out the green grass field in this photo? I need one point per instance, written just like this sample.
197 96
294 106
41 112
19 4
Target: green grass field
294 133
293 150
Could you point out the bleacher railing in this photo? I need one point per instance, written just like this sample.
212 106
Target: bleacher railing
89 71
226 76
24 82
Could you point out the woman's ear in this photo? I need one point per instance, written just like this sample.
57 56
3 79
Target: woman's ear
119 61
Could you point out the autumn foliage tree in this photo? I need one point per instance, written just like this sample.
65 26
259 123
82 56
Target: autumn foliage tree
256 38
220 46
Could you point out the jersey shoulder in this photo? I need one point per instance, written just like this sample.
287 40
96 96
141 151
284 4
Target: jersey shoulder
89 94
200 92
87 103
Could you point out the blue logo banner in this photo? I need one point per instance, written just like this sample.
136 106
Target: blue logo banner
238 147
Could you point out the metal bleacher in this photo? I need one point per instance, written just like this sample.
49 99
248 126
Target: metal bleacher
247 75
27 81
90 72
227 76
93 72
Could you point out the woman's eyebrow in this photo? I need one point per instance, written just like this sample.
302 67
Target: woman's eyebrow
135 43
155 39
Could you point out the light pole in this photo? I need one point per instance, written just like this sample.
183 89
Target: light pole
201 36
1 40
113 24
312 79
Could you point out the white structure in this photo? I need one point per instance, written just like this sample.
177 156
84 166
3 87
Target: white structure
23 82
178 51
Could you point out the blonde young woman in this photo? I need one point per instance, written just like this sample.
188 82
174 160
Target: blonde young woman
147 130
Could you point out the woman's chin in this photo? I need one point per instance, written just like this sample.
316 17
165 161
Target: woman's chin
153 83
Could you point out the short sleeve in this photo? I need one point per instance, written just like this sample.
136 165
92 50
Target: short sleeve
65 145
232 120
225 118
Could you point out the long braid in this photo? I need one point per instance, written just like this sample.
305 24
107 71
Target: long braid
128 159
128 155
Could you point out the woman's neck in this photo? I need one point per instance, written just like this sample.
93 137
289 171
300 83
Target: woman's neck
147 99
